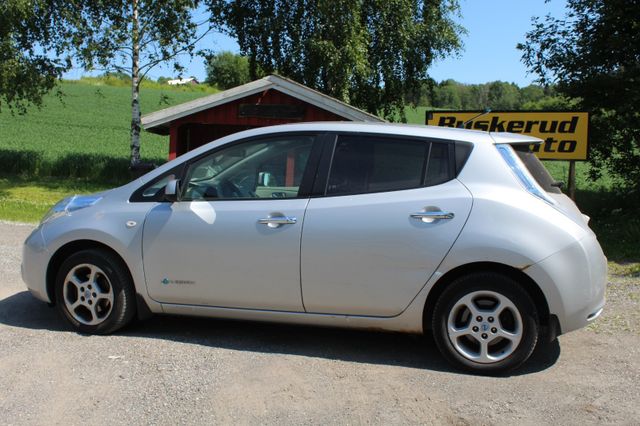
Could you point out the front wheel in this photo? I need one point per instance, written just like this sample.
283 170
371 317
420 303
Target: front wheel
94 292
485 322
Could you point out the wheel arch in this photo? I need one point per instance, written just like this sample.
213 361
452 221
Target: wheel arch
67 250
529 285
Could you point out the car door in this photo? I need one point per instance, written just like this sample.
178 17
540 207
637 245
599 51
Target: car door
233 238
391 211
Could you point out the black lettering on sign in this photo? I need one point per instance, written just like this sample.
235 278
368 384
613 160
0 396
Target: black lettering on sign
548 127
496 126
515 126
567 146
568 126
281 111
447 121
548 145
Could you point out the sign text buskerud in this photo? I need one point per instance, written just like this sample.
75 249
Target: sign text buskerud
565 134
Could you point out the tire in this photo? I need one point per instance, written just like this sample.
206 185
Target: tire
476 334
94 292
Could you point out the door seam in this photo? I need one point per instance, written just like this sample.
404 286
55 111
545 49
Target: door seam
304 215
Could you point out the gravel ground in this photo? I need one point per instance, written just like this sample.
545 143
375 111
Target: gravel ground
171 370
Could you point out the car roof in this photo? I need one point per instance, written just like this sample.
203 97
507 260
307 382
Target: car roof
450 133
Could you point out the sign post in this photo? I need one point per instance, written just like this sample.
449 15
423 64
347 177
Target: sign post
565 134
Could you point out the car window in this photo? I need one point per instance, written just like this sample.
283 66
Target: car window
257 169
439 166
363 164
537 169
156 188
153 191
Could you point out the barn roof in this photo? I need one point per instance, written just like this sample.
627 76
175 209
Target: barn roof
158 122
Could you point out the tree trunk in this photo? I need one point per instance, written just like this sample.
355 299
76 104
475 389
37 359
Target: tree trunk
135 90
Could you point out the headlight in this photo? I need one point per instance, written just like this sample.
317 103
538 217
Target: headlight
69 205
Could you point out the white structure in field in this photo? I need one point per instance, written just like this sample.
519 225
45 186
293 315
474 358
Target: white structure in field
181 81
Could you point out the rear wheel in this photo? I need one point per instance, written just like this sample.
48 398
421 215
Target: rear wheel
94 292
485 322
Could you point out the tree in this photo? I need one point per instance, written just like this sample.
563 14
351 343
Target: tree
373 54
134 36
502 95
592 55
227 70
33 49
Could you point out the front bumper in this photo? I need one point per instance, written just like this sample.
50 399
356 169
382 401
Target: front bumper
573 281
35 259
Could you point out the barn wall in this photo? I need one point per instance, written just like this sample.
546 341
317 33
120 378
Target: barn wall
226 116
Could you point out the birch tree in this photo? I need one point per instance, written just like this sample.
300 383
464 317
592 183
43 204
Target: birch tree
133 37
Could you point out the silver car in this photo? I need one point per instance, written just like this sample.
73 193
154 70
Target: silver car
414 229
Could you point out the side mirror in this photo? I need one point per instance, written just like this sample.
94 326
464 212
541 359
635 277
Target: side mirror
171 190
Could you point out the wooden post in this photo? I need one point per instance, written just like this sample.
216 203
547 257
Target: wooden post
572 180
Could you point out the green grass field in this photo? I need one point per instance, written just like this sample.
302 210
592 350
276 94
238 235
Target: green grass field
81 144
85 134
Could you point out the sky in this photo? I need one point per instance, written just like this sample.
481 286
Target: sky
494 28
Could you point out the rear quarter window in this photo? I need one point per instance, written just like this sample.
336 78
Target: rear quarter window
537 169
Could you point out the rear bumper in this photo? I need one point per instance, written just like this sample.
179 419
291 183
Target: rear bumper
573 281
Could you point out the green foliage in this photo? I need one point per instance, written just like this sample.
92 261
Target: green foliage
34 41
592 56
497 95
369 53
227 70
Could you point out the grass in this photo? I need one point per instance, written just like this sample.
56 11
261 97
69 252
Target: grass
28 199
86 133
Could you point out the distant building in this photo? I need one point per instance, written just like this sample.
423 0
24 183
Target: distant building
181 81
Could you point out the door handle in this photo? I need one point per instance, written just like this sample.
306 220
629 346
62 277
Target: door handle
275 221
430 216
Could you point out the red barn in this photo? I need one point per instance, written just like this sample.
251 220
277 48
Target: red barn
265 102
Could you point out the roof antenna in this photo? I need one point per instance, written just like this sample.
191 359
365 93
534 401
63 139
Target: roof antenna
463 125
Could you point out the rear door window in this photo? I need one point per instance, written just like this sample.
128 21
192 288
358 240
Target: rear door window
365 164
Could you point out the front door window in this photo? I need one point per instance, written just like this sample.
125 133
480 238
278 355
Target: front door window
250 170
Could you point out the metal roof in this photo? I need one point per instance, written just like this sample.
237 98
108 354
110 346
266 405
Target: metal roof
158 122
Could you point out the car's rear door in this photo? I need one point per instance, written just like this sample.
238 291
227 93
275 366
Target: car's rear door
389 213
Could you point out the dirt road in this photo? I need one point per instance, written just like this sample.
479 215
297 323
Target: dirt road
171 370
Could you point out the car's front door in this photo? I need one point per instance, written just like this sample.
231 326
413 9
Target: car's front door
233 238
390 213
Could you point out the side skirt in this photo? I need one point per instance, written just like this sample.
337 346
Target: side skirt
399 323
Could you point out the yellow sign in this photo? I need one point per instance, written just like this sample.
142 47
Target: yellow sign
565 134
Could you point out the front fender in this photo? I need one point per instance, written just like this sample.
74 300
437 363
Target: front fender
122 232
